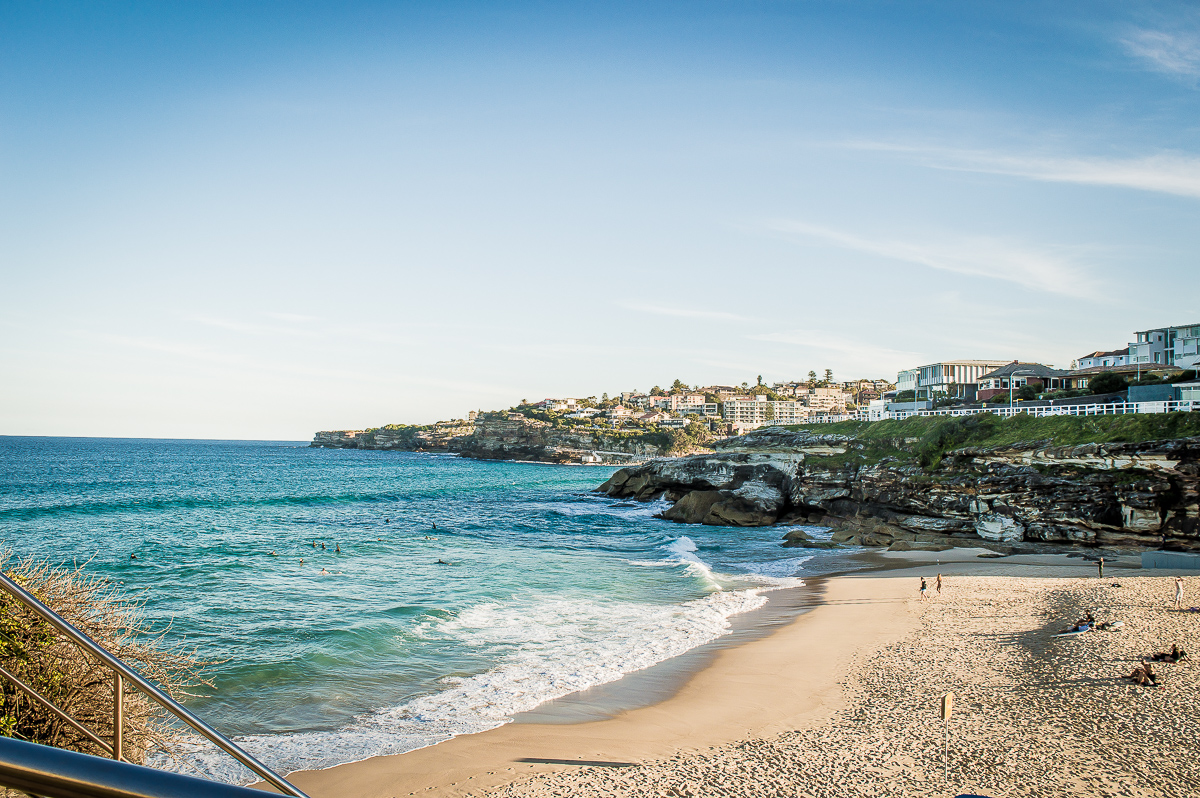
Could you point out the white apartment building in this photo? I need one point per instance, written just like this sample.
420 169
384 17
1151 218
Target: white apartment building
758 410
951 377
1167 346
826 399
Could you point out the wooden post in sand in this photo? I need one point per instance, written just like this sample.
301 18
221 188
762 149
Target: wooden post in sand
947 711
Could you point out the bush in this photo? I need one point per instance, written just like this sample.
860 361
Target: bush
999 399
1027 392
906 396
1106 382
53 665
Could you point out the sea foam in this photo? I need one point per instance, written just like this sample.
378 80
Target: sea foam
553 646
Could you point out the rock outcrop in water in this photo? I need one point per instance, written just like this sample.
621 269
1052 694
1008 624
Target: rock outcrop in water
507 437
1008 497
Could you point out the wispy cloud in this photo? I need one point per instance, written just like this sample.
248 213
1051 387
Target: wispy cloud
248 328
292 317
1037 270
826 342
1167 173
1175 53
686 313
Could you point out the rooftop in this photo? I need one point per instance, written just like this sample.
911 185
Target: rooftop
1026 369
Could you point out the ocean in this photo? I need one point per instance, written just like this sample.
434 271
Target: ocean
464 592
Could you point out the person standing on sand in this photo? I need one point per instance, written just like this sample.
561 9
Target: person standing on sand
924 589
1178 592
939 584
1100 567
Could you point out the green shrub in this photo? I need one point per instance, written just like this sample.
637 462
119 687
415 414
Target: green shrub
1106 382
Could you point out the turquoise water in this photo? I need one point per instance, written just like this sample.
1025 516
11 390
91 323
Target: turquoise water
331 657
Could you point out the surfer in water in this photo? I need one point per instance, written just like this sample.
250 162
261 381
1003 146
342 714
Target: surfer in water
441 562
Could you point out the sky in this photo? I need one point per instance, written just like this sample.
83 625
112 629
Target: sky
261 219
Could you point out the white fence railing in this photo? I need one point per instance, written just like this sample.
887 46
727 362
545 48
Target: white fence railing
1005 411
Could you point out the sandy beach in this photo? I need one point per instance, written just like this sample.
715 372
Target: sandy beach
844 701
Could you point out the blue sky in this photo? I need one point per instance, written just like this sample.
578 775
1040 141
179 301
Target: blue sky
255 220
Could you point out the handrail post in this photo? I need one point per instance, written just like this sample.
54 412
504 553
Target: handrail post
118 715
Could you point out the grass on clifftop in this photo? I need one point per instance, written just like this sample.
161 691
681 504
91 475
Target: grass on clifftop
928 438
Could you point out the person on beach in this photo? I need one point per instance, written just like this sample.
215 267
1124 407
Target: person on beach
1178 593
939 583
1100 567
924 589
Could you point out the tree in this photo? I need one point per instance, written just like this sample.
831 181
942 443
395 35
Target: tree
906 396
812 377
656 391
1106 382
760 380
745 385
678 387
828 376
1028 391
604 396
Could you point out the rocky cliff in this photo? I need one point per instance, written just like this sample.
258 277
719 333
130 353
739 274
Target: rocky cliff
508 437
1115 494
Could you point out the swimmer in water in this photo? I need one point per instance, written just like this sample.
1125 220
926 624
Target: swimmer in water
324 571
133 556
387 520
273 554
302 561
322 547
314 544
338 548
441 562
435 526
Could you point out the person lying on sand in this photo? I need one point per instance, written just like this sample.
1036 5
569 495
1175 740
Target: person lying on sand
1174 655
1143 676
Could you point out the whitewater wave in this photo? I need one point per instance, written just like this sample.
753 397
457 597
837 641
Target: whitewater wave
548 647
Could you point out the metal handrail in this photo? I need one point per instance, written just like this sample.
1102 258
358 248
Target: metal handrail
58 773
124 671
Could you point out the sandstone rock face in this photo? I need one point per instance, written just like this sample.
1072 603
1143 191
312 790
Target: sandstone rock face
513 438
1106 495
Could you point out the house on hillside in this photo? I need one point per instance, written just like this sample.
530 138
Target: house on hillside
1167 346
1117 357
952 378
1015 376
